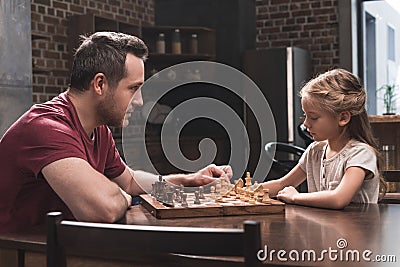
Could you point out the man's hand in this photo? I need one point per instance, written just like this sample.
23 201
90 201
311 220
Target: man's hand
127 197
216 171
204 176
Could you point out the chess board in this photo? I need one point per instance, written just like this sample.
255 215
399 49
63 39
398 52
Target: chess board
209 207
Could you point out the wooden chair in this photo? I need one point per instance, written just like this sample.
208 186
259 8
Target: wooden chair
16 248
138 243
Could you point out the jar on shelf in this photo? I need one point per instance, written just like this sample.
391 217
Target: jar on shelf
389 163
176 42
194 44
160 44
389 157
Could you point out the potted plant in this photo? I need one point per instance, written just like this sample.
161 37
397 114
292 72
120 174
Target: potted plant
388 98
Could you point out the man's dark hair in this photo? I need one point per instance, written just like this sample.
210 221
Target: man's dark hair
104 52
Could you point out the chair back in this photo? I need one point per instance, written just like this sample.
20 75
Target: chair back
134 243
284 157
305 134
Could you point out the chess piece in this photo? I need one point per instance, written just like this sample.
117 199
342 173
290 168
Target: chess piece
184 200
212 192
239 183
162 194
232 191
266 198
248 180
201 192
196 198
266 192
156 191
259 189
252 199
247 195
255 185
224 186
178 195
237 187
170 198
218 187
259 197
242 194
229 190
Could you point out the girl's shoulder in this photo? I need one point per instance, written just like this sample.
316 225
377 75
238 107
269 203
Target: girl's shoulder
357 144
317 145
316 149
354 146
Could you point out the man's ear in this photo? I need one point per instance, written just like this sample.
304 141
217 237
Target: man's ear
99 83
344 118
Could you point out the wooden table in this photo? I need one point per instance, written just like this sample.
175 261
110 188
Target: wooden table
374 227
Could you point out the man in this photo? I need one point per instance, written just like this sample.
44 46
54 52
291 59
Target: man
60 155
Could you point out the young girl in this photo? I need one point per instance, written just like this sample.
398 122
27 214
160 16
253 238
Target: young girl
341 165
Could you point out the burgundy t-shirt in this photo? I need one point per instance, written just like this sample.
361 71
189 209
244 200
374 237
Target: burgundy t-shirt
46 133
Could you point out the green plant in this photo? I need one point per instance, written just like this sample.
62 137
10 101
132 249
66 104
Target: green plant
389 97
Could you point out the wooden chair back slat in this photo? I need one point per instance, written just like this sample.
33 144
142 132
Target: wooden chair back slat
130 242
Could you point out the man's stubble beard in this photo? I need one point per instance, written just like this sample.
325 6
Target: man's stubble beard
107 112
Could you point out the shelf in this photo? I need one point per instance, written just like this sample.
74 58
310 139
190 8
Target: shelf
159 62
384 118
205 37
186 57
392 175
391 198
162 61
191 29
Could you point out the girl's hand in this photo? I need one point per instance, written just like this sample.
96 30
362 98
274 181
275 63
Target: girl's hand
288 194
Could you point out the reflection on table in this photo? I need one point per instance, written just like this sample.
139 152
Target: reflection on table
338 237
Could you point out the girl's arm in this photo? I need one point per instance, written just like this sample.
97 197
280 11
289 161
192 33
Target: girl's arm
332 199
295 177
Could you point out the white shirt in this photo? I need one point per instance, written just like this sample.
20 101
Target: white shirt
326 174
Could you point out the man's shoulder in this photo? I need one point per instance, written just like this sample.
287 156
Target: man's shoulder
56 111
59 105
41 119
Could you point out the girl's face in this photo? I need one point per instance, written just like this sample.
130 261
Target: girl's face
321 124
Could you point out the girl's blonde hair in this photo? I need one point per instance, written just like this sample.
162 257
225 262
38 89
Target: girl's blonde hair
337 91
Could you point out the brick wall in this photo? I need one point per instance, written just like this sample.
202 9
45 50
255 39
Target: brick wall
49 20
308 24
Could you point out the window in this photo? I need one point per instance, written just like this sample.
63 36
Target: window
391 44
380 44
